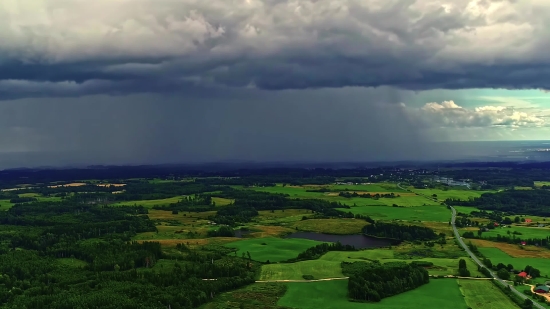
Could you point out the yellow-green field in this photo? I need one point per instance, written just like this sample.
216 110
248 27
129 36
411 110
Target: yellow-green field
483 294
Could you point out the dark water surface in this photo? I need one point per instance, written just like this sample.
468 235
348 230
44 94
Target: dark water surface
358 241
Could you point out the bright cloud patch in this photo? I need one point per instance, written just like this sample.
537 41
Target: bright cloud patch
449 114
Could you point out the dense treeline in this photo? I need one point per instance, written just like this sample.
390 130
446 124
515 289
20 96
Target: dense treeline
77 254
247 203
317 251
375 281
399 232
534 202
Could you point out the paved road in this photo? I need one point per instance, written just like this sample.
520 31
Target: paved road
474 257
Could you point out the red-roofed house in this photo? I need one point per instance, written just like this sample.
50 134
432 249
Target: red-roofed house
523 243
523 274
528 220
496 223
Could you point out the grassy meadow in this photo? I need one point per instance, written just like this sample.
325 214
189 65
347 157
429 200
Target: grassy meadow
422 213
483 294
5 205
271 248
526 232
462 194
498 256
442 294
319 269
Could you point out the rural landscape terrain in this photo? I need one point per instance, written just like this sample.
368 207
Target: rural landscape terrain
167 237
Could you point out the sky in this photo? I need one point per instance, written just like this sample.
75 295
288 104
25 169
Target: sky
165 81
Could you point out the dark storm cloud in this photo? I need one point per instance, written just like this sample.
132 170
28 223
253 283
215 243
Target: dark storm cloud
54 48
323 125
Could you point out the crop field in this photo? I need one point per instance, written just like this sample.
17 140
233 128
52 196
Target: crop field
5 205
526 232
150 203
422 213
516 251
483 294
542 183
439 293
272 249
462 194
331 226
319 269
498 256
441 267
288 216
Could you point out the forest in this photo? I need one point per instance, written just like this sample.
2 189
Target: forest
534 202
399 232
38 238
375 281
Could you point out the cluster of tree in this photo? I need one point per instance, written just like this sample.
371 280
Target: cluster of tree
74 254
400 232
463 268
511 238
195 203
535 202
223 231
17 200
317 251
347 194
375 281
247 203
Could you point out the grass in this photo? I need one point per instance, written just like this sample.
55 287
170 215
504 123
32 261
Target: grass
272 249
514 250
72 262
442 266
422 213
220 201
150 203
331 226
526 232
462 194
483 294
5 205
254 296
498 256
441 294
542 183
319 269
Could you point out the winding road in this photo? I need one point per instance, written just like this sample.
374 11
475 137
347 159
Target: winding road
478 262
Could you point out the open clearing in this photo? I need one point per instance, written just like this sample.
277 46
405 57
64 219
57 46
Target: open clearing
516 251
331 226
422 213
273 249
483 294
150 203
439 293
441 266
462 194
542 183
526 232
5 205
319 269
73 184
498 256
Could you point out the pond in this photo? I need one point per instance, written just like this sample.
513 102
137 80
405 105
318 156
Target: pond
358 241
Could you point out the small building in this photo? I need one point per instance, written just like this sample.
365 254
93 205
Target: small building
523 243
496 223
542 289
528 220
523 274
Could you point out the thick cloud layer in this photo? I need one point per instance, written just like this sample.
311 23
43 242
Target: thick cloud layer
73 48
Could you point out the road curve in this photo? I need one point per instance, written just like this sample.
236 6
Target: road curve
478 262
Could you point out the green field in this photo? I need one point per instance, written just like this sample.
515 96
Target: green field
542 183
462 194
422 213
5 205
442 266
483 294
150 203
72 262
526 232
319 269
498 256
273 249
439 293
